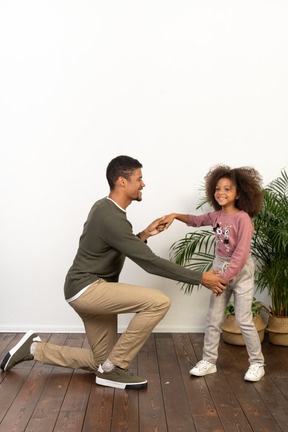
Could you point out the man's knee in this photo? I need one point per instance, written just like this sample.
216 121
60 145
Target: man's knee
157 301
164 301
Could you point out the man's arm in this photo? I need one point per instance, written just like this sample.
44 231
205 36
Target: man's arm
117 232
209 279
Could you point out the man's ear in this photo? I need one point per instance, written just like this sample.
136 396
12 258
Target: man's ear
121 181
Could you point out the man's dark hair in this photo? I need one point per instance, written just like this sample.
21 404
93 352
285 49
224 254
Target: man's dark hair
121 166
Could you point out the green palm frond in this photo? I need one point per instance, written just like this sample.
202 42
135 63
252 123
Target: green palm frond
279 186
270 245
195 251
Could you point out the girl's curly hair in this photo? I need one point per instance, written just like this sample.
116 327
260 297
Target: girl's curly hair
248 183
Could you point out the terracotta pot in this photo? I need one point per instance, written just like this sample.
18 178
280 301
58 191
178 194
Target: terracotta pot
231 333
278 330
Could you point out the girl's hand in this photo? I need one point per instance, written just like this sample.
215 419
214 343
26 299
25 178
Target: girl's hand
167 220
170 218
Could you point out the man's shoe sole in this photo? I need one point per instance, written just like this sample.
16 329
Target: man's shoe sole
9 355
121 385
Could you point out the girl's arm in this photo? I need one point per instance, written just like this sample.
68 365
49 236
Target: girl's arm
167 220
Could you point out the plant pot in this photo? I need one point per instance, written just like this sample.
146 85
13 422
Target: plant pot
231 333
278 330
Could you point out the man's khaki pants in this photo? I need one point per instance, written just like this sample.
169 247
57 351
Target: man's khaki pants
98 307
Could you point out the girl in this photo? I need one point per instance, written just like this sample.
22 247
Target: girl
236 196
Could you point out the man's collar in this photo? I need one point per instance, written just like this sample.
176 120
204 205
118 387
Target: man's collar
116 204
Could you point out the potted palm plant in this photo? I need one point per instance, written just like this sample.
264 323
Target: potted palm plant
230 331
269 248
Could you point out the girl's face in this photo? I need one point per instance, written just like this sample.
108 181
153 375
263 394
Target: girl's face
226 195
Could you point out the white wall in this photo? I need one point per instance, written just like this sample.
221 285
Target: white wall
179 85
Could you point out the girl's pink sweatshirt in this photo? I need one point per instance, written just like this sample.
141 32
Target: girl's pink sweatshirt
233 234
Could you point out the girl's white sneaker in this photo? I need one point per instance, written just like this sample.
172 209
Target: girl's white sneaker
255 372
202 368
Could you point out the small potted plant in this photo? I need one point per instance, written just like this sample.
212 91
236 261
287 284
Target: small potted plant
230 331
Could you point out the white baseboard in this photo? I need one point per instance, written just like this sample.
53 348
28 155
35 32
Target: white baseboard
80 329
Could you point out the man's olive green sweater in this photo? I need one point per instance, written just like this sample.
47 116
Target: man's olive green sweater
106 240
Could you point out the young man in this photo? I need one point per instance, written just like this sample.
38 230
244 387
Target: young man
93 291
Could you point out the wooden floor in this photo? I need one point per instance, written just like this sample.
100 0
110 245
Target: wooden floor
42 398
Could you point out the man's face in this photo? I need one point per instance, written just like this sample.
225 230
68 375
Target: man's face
135 185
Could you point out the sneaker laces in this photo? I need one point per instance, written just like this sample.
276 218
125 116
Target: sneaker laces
202 364
255 367
125 371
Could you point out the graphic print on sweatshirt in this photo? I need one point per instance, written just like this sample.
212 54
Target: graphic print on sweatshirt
222 235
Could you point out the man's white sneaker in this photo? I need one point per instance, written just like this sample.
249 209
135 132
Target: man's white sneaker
203 368
255 372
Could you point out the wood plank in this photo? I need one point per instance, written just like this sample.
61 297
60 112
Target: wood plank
70 421
74 405
151 406
22 408
125 407
257 413
254 408
125 411
223 394
78 392
46 411
177 409
230 412
202 407
99 411
100 406
9 388
281 383
276 359
274 400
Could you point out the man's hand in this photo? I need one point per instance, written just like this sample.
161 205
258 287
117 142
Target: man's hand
154 228
213 282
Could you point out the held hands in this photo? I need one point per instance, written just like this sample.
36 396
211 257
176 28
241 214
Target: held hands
162 224
157 226
213 282
153 229
168 219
